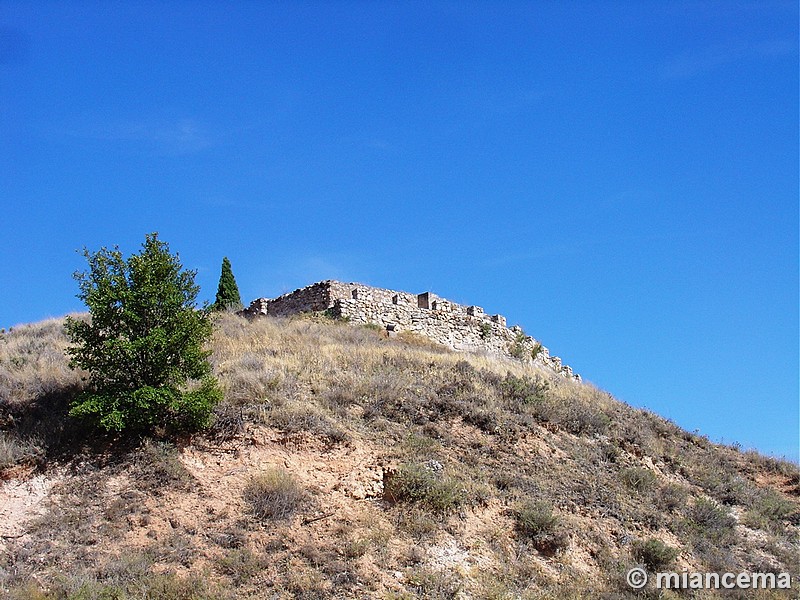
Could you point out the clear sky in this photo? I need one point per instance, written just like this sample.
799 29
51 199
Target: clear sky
619 178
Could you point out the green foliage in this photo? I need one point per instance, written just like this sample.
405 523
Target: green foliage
143 343
228 297
654 554
519 348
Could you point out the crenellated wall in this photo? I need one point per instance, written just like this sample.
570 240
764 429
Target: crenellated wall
454 325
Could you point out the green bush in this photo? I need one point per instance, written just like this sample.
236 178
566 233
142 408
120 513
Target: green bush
769 510
143 343
654 554
519 348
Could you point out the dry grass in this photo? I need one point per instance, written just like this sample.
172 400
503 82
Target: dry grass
274 495
545 483
33 363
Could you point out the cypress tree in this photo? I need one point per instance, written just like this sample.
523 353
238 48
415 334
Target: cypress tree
228 292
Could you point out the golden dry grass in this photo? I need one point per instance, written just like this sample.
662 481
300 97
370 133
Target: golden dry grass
487 441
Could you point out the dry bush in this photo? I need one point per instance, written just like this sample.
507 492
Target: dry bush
535 521
241 564
15 450
654 554
435 584
422 485
711 522
274 495
638 479
156 467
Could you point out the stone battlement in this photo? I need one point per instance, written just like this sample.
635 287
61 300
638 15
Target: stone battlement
459 327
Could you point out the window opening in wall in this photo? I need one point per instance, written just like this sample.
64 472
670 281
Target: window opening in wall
422 300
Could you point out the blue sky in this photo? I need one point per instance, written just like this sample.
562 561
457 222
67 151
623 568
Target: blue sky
619 178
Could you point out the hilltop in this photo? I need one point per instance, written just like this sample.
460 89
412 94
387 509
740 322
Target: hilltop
348 463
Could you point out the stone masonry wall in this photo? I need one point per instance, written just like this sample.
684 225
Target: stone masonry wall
456 326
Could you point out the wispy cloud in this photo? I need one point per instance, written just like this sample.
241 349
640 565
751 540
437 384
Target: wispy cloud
184 136
164 137
691 64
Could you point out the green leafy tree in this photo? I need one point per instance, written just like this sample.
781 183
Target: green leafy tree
228 292
143 343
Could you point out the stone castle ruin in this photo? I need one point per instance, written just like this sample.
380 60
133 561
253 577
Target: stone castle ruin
465 328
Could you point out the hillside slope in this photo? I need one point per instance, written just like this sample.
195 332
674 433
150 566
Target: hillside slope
344 464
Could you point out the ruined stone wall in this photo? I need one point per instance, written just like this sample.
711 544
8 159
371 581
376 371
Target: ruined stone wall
454 325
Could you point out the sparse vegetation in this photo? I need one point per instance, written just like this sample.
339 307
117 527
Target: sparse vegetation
509 481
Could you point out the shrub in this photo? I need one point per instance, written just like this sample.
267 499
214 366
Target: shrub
712 522
274 495
671 497
435 584
155 465
638 478
535 521
769 510
240 564
520 348
421 484
524 390
143 342
654 554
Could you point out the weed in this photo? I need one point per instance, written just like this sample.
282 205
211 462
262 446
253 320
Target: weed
240 565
